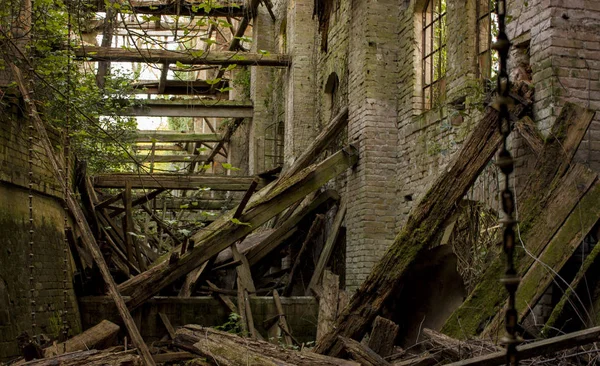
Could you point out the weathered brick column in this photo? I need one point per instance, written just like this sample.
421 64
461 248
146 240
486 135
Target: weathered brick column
261 77
300 109
372 189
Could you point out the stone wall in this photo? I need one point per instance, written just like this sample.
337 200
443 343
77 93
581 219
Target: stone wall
48 247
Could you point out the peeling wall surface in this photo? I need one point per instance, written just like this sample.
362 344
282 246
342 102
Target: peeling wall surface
48 244
374 49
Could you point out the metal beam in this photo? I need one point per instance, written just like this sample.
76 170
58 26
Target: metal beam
179 87
189 57
190 108
173 181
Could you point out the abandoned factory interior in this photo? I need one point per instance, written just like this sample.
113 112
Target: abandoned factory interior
300 182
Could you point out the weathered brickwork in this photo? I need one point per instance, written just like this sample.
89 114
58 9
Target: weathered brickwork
374 51
48 242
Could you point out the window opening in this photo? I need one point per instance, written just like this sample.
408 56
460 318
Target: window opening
274 136
434 53
487 29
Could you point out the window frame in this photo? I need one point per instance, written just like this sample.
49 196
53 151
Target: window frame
488 72
428 56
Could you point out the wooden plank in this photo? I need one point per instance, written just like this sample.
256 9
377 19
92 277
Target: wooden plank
545 347
224 299
189 57
139 201
282 320
142 146
223 232
560 248
288 228
79 218
544 203
243 270
109 201
328 247
162 225
190 280
328 303
189 108
362 354
173 181
383 336
98 336
180 87
171 357
182 203
315 226
527 129
174 136
167 324
170 158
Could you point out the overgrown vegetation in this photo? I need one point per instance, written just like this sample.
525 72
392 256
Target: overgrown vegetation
66 93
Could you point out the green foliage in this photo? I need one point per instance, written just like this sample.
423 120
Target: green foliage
242 80
238 222
65 92
233 324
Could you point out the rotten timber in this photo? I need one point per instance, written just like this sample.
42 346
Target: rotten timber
548 198
96 337
174 136
229 349
189 57
173 181
190 108
223 232
81 222
426 219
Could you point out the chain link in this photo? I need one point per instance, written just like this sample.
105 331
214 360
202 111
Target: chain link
505 162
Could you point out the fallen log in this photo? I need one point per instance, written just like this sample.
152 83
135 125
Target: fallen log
224 232
80 220
230 349
97 337
328 303
445 349
423 225
91 358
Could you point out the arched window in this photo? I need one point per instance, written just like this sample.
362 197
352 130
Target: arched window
434 58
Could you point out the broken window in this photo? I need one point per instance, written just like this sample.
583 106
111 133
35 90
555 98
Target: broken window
487 28
434 53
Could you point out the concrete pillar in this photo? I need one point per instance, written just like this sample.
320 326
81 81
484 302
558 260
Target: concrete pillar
372 189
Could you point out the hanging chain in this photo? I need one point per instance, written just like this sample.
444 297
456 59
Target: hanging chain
30 133
506 164
64 314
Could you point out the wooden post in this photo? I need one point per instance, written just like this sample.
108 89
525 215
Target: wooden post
86 233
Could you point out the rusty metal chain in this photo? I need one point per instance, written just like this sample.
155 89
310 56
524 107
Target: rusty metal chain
64 313
505 162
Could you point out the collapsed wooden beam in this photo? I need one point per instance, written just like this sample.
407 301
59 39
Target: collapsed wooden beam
230 349
421 229
80 220
189 108
194 204
552 191
173 136
173 181
224 232
179 87
96 337
170 158
545 347
189 57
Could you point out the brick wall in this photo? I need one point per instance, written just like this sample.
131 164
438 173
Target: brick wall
48 241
